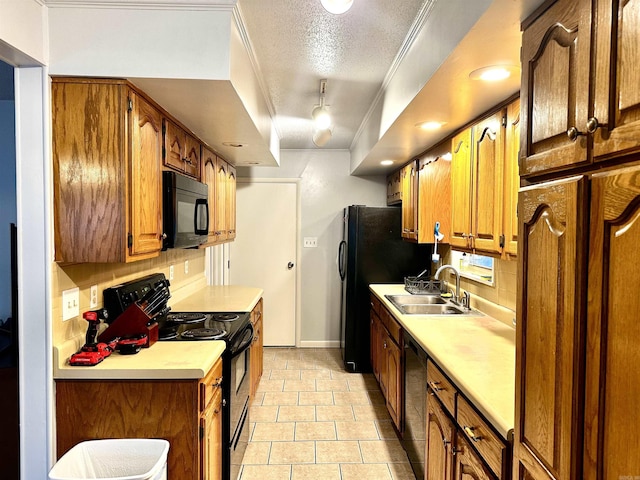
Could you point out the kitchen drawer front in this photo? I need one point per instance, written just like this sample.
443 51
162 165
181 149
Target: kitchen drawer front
444 389
375 304
210 384
256 313
491 447
393 327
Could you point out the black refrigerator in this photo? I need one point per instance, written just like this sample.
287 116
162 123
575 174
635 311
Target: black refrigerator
371 251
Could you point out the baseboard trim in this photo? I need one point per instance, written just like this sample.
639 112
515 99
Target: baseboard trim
319 344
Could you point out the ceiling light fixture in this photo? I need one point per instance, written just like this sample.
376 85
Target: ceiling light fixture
493 73
386 162
430 125
336 7
322 124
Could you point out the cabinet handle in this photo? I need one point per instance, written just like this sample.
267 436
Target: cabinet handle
454 451
593 125
573 133
384 344
471 435
187 160
217 383
434 386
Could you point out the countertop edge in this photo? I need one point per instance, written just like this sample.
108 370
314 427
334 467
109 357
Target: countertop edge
500 424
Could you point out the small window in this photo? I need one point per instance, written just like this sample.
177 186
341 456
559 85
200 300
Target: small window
478 268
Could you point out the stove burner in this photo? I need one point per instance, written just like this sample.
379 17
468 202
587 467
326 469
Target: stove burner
203 334
185 317
168 335
225 317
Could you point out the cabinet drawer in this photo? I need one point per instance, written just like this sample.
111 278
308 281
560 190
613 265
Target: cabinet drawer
492 449
375 304
445 391
210 384
390 323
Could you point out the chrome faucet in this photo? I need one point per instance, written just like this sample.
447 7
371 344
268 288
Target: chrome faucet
464 301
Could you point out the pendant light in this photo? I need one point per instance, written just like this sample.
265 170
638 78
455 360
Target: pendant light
322 124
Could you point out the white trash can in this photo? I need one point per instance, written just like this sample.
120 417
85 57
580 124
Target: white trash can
114 459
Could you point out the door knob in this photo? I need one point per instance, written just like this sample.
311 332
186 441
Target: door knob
290 265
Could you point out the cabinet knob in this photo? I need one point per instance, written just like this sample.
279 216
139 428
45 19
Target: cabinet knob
593 125
573 133
217 382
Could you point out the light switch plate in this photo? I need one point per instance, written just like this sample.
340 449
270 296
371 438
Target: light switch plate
310 242
70 303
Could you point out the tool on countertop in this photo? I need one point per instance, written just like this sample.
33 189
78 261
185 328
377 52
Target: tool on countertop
93 352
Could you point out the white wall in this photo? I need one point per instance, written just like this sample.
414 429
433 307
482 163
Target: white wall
325 189
23 33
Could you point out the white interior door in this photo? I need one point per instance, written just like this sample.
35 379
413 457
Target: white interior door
264 253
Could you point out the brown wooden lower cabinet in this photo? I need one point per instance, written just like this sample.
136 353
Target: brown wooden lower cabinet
96 409
257 349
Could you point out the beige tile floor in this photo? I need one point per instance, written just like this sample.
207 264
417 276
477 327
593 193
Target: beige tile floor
311 420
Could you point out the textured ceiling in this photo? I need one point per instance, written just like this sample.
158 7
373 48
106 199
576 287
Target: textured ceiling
297 43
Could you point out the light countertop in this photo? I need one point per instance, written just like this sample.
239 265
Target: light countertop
224 298
476 352
164 360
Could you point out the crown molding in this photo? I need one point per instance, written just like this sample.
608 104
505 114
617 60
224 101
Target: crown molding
222 5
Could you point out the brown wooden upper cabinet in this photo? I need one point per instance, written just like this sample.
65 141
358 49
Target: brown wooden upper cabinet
511 178
182 152
409 181
394 188
434 195
107 157
566 125
221 179
477 185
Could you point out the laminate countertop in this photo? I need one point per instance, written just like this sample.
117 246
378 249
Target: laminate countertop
476 351
164 360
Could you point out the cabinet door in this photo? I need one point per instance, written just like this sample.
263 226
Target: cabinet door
434 198
231 202
193 153
409 211
486 195
374 323
468 464
174 146
461 189
394 382
613 331
440 431
555 87
511 178
616 70
145 209
383 363
222 172
211 444
549 330
209 176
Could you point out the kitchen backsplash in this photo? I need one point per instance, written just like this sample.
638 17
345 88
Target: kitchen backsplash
106 275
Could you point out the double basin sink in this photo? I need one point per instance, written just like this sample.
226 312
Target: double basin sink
425 305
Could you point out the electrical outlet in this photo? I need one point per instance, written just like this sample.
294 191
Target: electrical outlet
186 267
93 297
70 303
170 272
310 242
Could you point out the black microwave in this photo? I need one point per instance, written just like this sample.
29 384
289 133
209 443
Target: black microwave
185 211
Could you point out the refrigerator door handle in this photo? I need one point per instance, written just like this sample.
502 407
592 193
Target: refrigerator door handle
341 259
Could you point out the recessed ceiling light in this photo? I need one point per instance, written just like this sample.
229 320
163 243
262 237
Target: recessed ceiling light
234 145
493 73
386 162
430 125
336 6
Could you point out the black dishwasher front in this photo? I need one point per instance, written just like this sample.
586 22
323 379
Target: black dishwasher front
415 391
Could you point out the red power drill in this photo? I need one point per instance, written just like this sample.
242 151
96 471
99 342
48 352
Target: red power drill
92 352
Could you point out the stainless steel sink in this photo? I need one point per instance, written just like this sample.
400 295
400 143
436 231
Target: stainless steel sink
430 310
399 300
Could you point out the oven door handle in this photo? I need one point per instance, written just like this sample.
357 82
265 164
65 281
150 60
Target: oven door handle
247 340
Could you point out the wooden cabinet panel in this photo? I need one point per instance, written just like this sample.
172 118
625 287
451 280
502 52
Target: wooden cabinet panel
434 197
182 152
555 87
486 196
461 189
230 203
107 148
145 177
210 385
211 444
395 382
394 188
257 349
409 196
468 466
440 436
511 178
193 154
442 388
373 343
612 375
616 69
222 172
550 325
209 176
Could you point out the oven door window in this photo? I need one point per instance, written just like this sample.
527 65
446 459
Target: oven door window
241 369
